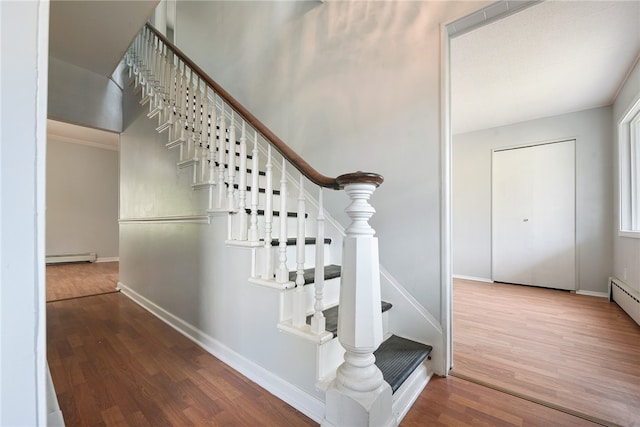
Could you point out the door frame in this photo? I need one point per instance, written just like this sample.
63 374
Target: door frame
449 30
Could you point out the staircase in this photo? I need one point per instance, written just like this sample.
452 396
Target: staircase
328 278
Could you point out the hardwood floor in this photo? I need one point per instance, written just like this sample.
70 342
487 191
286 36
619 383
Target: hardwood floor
113 363
80 279
576 351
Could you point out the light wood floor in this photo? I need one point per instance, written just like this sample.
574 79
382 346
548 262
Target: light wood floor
577 351
113 363
80 279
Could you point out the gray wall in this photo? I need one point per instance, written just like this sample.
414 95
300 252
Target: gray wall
80 96
82 199
350 86
626 249
594 199
23 81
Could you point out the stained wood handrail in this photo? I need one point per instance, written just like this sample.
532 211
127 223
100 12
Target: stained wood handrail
294 158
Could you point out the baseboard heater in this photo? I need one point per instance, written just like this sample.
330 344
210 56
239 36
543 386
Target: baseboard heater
57 259
626 297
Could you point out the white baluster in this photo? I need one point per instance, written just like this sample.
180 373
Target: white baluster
197 123
189 116
211 140
282 274
300 311
213 123
222 146
178 127
359 384
268 218
318 321
242 185
231 170
255 174
165 113
204 135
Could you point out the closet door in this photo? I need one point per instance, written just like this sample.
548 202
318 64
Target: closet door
533 215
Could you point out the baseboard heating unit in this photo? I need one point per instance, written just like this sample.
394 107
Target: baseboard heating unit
626 297
57 259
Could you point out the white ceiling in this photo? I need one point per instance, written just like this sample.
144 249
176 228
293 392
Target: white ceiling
552 58
95 34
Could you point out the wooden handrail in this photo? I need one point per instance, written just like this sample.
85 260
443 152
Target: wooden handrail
298 162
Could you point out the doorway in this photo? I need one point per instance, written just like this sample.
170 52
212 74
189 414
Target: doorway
545 128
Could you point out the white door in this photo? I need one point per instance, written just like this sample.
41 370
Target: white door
533 215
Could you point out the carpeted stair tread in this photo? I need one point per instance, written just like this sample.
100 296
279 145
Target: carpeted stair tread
330 272
398 357
291 241
331 317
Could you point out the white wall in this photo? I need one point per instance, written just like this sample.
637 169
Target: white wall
23 81
350 86
626 249
80 96
594 200
82 199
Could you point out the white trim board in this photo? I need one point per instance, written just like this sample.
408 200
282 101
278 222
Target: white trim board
593 294
302 401
108 259
475 279
198 219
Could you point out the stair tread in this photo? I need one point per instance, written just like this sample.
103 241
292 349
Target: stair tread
291 241
277 213
398 357
330 272
260 190
331 317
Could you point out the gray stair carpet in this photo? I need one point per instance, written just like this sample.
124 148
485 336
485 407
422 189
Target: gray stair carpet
398 357
330 272
331 317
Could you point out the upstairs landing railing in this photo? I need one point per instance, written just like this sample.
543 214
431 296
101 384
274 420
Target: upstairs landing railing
214 134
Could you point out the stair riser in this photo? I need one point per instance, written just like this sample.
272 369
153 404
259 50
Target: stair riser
331 297
291 252
292 226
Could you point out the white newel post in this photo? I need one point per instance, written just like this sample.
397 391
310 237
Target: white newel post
359 396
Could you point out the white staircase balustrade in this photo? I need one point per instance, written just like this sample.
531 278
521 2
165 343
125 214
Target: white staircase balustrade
203 120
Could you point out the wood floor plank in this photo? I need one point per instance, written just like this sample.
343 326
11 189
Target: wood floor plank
576 351
74 280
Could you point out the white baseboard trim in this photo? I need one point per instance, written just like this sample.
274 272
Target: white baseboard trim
108 259
302 401
476 279
593 294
